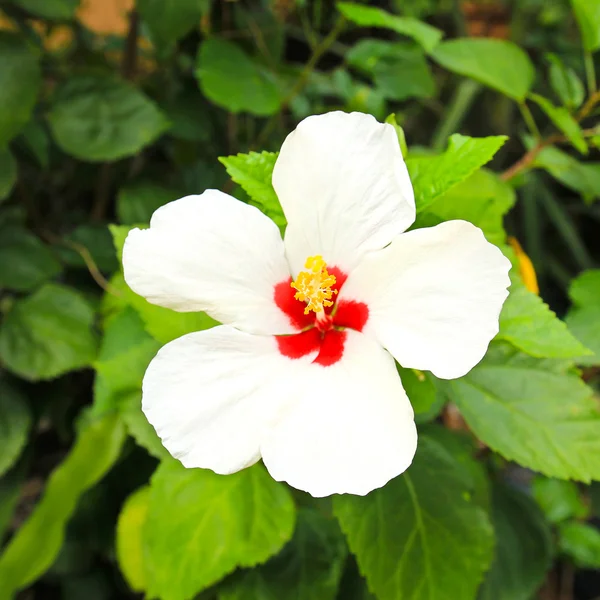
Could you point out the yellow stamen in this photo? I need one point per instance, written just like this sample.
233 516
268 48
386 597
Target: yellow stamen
314 285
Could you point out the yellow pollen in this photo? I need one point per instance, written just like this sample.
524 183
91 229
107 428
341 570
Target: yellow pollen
314 285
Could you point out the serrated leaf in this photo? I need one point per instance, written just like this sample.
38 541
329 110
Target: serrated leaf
563 120
523 551
482 199
137 202
463 449
419 537
558 499
499 64
308 568
8 173
26 261
36 545
170 20
582 177
587 13
15 422
369 16
129 542
433 176
253 172
50 9
101 118
231 79
532 412
202 526
48 333
584 317
20 80
527 323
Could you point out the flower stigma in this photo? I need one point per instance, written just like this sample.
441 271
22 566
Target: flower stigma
314 285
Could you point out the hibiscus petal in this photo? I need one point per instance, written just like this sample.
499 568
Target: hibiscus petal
349 429
434 297
344 188
211 253
211 395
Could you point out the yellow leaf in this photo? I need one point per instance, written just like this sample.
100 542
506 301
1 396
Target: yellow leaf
129 538
525 267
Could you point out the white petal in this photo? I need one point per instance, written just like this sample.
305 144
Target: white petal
344 188
211 253
351 428
210 396
434 297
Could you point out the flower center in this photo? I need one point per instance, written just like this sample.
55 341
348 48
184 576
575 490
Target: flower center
313 286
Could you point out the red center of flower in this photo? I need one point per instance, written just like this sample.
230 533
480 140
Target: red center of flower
323 331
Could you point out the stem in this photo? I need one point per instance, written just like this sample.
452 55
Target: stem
590 72
529 121
460 104
318 52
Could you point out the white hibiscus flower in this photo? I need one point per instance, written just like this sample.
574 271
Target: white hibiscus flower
302 372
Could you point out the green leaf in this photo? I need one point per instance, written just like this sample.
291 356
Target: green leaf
581 543
532 412
48 333
15 422
26 261
170 20
433 176
36 140
50 9
584 317
253 173
419 388
523 552
559 499
136 202
462 448
231 79
482 199
202 526
8 173
10 495
565 83
308 568
129 542
563 120
36 545
190 117
369 16
138 427
527 323
584 178
400 71
101 118
94 239
587 13
419 537
125 353
499 64
124 356
20 80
